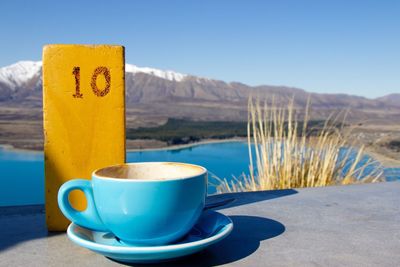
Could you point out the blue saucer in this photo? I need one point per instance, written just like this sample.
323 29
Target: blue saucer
211 228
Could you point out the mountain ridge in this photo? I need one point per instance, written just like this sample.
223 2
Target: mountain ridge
157 92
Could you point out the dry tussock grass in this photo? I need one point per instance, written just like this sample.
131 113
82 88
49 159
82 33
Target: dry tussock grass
285 154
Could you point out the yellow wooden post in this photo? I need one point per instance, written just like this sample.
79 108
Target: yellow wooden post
84 117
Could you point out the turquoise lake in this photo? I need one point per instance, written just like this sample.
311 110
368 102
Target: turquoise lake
22 173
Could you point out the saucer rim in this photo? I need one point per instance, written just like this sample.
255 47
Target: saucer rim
225 231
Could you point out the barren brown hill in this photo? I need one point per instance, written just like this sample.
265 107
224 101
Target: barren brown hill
191 97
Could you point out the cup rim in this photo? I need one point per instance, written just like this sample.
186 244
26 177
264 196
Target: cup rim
94 175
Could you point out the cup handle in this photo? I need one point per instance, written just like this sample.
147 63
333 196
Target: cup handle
89 218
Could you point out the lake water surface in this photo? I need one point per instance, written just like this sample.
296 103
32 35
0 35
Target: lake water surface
22 173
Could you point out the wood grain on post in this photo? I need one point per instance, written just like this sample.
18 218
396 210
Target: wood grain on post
84 118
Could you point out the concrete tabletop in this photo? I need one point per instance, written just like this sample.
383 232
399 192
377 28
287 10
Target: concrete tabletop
356 225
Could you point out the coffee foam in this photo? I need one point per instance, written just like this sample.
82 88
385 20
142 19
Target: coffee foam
151 171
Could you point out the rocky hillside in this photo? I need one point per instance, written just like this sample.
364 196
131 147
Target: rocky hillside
152 92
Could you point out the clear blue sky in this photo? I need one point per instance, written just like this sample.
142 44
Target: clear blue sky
338 46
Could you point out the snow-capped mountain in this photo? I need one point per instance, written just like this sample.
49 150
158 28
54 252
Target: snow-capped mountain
20 73
167 75
172 94
23 81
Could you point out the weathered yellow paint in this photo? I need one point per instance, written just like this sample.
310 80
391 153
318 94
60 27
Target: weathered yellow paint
81 133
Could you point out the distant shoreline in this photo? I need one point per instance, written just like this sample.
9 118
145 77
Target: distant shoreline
383 159
173 147
177 147
16 149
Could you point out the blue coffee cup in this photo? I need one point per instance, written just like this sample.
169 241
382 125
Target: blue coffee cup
149 203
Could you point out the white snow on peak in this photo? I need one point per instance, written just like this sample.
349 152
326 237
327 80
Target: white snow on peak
20 73
17 74
168 74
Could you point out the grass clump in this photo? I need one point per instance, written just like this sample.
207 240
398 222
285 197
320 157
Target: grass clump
287 153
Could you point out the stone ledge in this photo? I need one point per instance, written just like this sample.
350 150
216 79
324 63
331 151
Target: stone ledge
357 225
